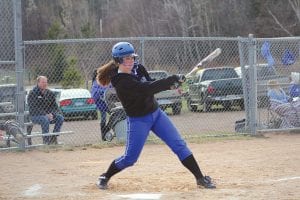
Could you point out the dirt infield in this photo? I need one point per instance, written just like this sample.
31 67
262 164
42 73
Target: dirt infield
260 168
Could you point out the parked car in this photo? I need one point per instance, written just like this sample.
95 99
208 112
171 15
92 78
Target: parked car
76 102
264 74
169 98
215 86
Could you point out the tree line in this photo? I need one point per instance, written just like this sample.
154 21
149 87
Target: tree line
160 18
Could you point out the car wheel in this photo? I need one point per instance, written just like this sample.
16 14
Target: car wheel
163 108
263 102
95 115
10 107
176 109
242 105
66 117
206 107
190 107
227 105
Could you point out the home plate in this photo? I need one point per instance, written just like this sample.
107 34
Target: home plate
141 196
33 190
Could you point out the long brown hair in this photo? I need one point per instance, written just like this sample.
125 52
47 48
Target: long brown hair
106 72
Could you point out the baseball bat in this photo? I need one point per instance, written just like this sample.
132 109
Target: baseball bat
205 60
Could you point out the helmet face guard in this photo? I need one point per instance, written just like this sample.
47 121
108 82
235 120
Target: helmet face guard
121 50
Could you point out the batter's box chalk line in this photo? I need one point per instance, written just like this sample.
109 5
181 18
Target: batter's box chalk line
286 179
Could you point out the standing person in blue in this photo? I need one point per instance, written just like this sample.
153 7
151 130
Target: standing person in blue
44 110
98 92
295 90
144 115
295 85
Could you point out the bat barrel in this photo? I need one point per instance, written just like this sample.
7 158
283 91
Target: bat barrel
206 60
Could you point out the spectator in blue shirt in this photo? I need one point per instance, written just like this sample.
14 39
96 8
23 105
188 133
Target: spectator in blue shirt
276 93
295 85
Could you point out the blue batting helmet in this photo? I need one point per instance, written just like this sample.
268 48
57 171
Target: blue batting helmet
122 49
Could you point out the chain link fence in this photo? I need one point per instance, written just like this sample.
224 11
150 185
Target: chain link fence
7 59
71 63
281 71
270 74
228 95
7 54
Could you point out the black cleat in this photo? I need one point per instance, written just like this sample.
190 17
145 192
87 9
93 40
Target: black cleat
205 182
102 182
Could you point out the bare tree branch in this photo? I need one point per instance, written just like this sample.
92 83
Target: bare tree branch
278 22
295 4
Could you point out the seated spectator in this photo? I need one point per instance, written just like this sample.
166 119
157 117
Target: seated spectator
44 110
284 106
295 85
275 92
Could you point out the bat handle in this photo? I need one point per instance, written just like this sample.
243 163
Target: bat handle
194 70
202 63
182 78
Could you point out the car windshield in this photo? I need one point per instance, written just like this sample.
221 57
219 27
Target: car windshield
265 71
219 74
74 93
158 75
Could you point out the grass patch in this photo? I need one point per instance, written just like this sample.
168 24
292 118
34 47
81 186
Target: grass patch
107 144
196 138
152 139
203 138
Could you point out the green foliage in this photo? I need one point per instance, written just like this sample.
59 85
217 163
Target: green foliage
54 31
71 76
35 72
58 65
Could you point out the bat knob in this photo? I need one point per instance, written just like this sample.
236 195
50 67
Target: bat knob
181 78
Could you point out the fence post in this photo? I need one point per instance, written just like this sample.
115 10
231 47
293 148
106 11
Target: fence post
19 66
142 51
252 81
245 80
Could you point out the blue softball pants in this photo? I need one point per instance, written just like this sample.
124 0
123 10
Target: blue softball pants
138 129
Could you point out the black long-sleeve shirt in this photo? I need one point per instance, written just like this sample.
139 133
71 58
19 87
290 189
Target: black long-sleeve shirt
137 97
41 103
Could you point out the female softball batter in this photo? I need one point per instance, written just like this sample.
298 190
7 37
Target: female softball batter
137 98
